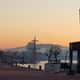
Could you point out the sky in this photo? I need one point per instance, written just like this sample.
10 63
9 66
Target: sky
51 21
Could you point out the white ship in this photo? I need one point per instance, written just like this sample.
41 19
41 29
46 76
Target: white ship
25 54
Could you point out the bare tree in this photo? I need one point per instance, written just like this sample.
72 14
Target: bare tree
54 50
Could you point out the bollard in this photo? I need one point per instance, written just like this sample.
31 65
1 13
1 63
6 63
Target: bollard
28 66
40 67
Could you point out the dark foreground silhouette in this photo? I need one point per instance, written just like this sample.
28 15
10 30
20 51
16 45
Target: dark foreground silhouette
8 72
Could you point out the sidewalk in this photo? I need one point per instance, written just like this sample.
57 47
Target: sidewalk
19 73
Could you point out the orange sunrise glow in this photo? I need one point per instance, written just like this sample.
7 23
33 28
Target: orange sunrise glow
52 21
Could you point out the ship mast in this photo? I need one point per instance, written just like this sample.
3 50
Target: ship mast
34 49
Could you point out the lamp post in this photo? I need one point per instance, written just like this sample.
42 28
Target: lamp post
66 56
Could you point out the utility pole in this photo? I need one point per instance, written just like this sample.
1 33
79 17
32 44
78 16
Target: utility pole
34 49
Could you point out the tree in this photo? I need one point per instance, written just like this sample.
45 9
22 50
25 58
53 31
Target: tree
54 50
1 55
